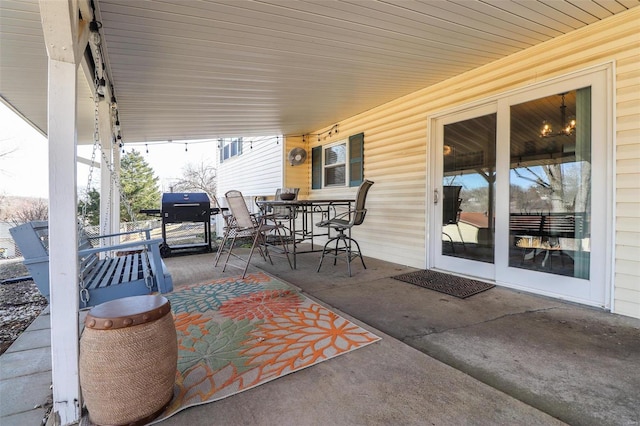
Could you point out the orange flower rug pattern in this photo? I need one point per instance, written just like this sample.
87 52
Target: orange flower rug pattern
235 334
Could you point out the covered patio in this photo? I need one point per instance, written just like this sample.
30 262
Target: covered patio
110 72
499 357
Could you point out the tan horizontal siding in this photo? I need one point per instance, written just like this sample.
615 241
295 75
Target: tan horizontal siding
627 137
628 252
631 209
297 176
631 165
629 269
628 285
629 180
628 195
627 248
630 153
628 239
627 224
630 121
629 308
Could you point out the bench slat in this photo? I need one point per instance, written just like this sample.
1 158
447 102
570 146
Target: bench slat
98 274
118 272
127 268
547 225
135 272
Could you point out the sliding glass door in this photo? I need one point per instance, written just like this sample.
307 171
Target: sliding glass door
464 197
519 190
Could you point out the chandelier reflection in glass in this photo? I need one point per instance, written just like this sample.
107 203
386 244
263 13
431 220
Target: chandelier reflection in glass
568 127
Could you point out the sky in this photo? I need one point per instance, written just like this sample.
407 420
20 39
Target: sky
24 169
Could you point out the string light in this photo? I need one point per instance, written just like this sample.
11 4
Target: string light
114 103
218 141
334 130
101 87
94 28
185 148
146 147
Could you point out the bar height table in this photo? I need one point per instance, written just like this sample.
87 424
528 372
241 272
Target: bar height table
303 215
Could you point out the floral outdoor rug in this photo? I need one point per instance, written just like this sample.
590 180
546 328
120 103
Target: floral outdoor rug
235 334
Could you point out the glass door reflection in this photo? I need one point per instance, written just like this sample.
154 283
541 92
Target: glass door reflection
550 184
468 185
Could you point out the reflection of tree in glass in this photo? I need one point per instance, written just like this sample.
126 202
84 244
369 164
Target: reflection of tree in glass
554 165
552 187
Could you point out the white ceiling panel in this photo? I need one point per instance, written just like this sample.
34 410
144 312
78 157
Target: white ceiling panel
204 69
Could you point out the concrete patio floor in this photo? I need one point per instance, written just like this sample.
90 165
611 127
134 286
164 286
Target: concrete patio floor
498 357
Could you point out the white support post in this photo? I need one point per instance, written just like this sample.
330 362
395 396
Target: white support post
106 183
63 246
115 189
65 36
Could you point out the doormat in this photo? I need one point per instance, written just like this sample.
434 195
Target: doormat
445 283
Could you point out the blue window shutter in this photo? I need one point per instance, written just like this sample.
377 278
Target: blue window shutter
356 159
316 167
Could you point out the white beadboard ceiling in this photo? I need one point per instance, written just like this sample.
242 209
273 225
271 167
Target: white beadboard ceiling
203 69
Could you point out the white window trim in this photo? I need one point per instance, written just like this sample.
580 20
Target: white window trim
347 176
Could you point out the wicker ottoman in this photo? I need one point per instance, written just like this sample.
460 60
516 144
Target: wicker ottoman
128 360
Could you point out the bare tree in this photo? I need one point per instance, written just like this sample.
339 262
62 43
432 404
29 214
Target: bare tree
198 178
33 210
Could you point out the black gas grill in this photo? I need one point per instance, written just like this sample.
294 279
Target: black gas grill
187 209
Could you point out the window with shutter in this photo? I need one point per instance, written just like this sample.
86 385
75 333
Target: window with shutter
316 167
356 159
338 164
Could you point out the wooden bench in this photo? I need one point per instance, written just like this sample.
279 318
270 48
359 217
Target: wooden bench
543 231
106 273
561 225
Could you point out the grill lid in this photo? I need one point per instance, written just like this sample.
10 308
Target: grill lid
177 198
